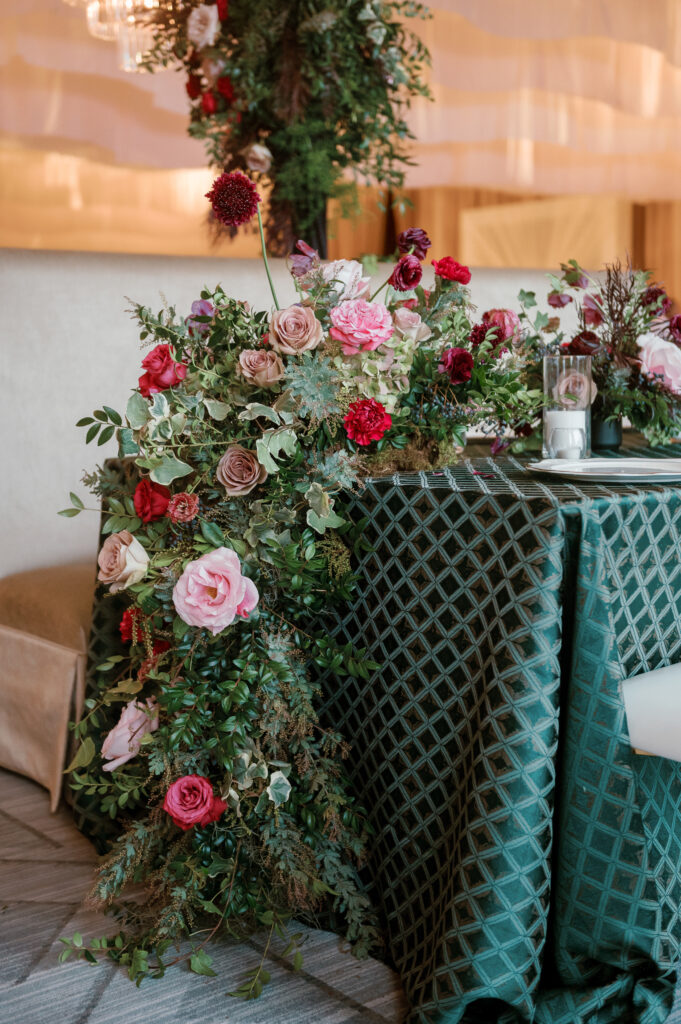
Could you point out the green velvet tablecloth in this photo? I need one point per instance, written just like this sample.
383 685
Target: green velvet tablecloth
526 861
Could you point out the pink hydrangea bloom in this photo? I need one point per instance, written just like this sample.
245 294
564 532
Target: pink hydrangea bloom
211 591
360 325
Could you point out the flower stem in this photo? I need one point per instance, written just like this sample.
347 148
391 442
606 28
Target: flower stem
379 290
264 259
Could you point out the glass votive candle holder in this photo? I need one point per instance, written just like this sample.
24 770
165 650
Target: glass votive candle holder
567 409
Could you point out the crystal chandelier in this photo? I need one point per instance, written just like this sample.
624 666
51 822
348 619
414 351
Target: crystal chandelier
128 23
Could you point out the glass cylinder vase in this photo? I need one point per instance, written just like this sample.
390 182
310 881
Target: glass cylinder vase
567 408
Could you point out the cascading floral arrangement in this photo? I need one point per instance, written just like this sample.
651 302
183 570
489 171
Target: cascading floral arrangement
297 94
229 540
624 324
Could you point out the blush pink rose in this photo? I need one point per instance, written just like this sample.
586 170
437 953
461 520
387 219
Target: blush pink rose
124 740
211 591
661 358
190 801
122 561
409 324
360 325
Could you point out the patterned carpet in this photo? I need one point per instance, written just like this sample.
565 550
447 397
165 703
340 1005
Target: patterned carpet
45 872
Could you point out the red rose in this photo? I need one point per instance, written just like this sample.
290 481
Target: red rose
457 363
190 801
223 9
448 269
151 500
367 421
162 371
193 87
593 312
558 299
225 88
129 625
209 103
182 508
407 273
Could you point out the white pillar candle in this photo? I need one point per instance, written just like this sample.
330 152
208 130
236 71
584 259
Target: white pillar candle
565 432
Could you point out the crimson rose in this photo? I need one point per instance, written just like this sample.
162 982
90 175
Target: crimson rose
151 500
190 801
457 363
407 274
162 371
416 241
209 103
448 269
367 421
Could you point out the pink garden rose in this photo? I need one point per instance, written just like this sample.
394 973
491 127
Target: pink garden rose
122 561
124 740
361 325
211 591
506 322
190 801
662 359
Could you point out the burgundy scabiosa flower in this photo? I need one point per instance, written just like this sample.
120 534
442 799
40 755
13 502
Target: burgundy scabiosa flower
479 333
407 273
415 241
234 199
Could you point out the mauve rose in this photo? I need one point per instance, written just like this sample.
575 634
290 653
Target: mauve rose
122 561
182 508
294 330
675 327
203 25
212 591
586 343
416 241
505 320
150 500
258 158
361 325
457 363
592 310
660 358
407 274
409 324
239 471
346 278
558 299
572 390
162 371
190 801
261 366
124 740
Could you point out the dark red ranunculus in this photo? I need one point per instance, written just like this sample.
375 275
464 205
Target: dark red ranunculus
457 363
193 87
586 343
407 273
448 269
129 625
593 311
675 327
656 296
558 299
162 371
416 241
190 801
209 102
223 9
234 199
225 88
151 500
367 421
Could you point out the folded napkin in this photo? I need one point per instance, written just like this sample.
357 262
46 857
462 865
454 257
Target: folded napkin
653 706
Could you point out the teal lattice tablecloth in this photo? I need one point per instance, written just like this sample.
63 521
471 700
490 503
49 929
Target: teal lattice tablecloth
526 861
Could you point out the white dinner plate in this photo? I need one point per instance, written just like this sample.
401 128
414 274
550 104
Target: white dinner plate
612 470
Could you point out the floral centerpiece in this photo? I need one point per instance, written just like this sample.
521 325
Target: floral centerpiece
276 92
624 324
229 542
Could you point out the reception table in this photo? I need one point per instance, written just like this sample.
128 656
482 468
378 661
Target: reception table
525 861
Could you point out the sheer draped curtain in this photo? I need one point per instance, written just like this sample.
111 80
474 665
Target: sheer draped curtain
533 98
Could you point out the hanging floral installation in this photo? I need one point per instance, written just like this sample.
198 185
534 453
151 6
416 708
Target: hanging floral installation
308 97
229 542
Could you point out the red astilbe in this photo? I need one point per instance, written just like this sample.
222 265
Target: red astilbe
234 199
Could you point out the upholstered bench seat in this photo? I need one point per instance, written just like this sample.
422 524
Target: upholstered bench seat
44 623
